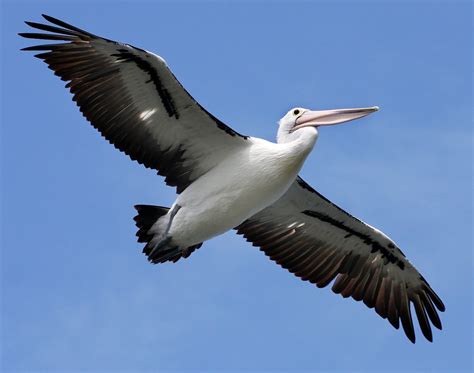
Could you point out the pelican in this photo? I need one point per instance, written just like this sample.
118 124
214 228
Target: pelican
225 180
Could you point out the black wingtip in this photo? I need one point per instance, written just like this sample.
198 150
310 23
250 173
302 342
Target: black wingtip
28 48
49 18
68 26
52 19
433 296
436 300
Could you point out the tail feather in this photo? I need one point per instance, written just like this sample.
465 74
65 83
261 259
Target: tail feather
147 216
164 250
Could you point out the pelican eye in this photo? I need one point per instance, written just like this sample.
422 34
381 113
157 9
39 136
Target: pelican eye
296 112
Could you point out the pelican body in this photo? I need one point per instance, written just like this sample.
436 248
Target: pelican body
226 180
223 199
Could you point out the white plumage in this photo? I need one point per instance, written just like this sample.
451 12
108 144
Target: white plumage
229 181
242 184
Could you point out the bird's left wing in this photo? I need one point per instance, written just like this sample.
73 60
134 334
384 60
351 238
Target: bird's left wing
317 241
136 103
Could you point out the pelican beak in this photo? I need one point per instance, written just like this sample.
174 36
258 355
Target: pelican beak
331 117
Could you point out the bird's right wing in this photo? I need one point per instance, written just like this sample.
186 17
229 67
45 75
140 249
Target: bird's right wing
136 103
317 241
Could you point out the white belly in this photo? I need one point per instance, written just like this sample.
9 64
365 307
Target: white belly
239 187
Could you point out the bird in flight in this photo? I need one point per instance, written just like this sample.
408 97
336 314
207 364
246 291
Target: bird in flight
226 180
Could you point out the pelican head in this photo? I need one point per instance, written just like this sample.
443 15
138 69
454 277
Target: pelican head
298 118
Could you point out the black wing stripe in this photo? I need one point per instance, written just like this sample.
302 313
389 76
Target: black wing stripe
388 255
126 56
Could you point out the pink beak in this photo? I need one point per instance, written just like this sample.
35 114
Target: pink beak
331 117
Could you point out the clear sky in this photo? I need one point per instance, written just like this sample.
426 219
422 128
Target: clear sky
77 294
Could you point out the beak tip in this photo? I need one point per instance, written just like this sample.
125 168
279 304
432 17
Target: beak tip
375 108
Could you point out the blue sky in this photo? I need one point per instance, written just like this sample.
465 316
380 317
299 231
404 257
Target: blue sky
77 294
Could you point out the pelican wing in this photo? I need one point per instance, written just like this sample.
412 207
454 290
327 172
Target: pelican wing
136 103
319 242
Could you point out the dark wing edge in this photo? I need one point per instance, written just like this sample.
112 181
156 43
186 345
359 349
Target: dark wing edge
365 264
99 89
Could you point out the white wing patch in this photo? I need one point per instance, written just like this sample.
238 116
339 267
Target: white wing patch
144 115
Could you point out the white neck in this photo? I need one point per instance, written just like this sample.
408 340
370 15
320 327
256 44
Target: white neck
302 139
297 146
